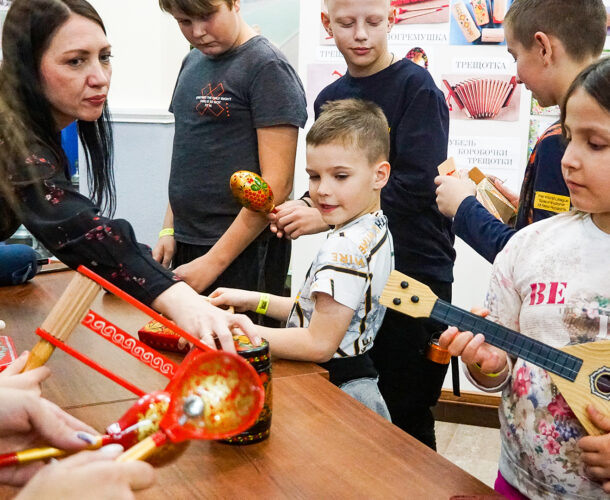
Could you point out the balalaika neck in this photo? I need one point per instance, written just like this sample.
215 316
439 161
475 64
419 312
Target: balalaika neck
547 357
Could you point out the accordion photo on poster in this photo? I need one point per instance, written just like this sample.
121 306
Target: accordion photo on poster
482 98
487 194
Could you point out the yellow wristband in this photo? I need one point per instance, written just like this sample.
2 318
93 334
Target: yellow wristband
167 231
263 304
492 375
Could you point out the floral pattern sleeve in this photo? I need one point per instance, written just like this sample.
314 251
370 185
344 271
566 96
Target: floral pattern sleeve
68 224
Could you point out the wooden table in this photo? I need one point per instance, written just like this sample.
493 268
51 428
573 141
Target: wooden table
323 443
25 307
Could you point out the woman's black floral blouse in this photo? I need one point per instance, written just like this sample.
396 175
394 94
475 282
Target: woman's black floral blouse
68 224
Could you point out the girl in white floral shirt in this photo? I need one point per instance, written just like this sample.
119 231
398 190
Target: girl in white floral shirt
552 283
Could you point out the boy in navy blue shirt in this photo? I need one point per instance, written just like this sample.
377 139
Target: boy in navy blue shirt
423 241
548 57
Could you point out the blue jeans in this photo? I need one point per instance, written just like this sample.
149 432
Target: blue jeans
367 392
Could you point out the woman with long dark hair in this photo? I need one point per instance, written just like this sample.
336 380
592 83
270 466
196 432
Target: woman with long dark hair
57 70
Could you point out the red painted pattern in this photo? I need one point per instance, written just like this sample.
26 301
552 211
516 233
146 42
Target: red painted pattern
129 344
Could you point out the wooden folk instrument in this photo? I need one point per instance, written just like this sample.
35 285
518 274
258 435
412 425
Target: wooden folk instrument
252 191
581 372
73 306
214 395
67 313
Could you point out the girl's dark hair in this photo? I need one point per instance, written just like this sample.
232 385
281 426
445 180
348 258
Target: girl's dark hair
595 80
28 30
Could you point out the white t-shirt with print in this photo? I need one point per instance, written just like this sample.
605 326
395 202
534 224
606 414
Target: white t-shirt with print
352 266
552 283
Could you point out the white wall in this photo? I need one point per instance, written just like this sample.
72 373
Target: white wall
148 48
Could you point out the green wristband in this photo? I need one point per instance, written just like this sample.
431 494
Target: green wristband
492 375
263 304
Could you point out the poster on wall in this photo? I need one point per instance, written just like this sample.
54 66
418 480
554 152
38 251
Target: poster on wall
482 97
421 12
462 44
478 22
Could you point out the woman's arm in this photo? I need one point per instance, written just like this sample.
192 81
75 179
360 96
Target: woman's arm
277 151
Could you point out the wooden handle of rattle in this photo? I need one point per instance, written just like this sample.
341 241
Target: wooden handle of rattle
64 317
141 450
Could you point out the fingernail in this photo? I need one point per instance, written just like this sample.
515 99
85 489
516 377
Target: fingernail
257 341
86 437
111 450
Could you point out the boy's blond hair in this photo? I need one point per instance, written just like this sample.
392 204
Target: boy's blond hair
194 8
353 122
580 25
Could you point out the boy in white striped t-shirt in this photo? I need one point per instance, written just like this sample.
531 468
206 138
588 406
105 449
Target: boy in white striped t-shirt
336 315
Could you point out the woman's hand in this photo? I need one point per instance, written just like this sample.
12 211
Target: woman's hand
26 421
452 191
596 449
12 378
93 475
241 300
197 316
164 250
294 218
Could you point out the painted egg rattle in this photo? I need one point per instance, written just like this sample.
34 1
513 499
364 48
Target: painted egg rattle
252 191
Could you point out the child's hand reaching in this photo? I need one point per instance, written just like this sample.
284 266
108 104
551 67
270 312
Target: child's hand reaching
294 218
241 300
596 449
12 378
452 191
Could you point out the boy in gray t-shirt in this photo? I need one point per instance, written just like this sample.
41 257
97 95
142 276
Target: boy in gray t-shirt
237 106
